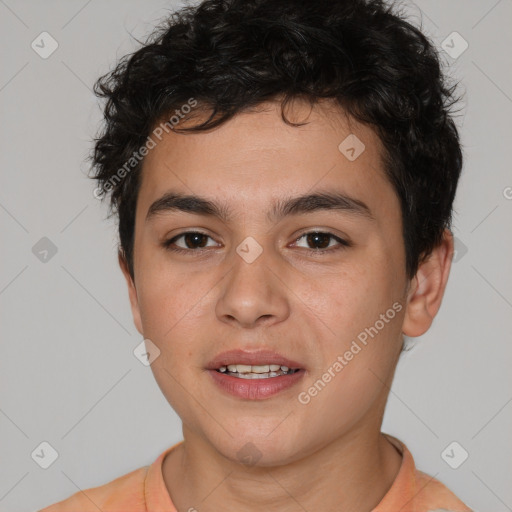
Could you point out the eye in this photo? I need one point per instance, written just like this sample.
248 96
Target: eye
193 240
323 240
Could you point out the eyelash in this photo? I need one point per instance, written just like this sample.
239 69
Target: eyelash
314 252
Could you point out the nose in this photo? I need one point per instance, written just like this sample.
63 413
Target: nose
254 292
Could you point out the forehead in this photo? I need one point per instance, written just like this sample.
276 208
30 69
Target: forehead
255 158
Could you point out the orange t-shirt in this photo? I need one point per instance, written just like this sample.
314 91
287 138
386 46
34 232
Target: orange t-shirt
144 490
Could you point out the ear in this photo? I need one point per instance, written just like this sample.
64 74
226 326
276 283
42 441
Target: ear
132 292
427 288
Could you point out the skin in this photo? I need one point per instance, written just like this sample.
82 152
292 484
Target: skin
307 307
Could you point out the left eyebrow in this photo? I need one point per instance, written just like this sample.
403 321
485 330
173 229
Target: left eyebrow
309 203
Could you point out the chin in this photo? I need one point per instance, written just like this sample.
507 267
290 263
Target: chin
257 449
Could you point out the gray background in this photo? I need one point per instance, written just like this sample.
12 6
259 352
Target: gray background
68 373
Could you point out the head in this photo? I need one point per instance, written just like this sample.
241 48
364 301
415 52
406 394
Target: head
249 106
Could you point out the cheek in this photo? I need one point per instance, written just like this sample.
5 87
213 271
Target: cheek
169 313
353 300
355 375
168 299
363 312
173 307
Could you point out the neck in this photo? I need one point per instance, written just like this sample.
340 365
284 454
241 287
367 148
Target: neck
352 473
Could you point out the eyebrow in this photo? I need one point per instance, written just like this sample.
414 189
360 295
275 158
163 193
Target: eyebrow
308 203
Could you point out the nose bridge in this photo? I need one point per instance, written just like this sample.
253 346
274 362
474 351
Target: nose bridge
252 289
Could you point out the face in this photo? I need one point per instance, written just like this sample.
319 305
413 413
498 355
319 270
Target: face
322 286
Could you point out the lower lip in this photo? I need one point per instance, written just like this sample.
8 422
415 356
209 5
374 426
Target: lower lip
255 389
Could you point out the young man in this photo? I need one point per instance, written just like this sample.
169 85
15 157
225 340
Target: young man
284 173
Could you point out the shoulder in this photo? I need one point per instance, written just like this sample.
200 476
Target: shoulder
124 494
416 489
432 493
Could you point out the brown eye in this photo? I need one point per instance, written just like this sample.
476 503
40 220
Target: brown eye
192 241
321 241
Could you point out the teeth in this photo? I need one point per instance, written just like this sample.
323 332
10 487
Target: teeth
264 368
246 368
258 375
254 369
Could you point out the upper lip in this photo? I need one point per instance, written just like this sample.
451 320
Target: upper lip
251 358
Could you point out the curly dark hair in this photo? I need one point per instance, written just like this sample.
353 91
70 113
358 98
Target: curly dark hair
231 55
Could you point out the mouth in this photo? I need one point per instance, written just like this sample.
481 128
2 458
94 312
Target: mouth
254 375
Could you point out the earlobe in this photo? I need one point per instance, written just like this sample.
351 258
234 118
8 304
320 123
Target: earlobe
132 291
427 288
